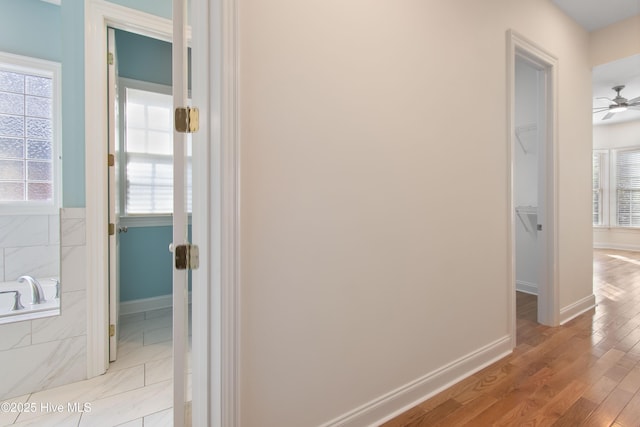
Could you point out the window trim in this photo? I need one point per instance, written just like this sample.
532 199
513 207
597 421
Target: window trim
52 70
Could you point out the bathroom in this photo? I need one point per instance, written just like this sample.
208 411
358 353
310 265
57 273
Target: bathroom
51 243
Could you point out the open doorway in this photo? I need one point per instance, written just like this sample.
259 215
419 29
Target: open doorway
214 202
534 292
142 197
616 150
529 168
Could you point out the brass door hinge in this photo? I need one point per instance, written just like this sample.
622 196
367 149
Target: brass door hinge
110 58
187 257
111 160
112 229
112 330
187 119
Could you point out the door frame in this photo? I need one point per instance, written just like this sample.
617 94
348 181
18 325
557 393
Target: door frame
216 306
548 286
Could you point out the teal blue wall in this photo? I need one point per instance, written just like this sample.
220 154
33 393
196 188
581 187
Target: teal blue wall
73 142
56 33
160 8
31 28
143 58
145 263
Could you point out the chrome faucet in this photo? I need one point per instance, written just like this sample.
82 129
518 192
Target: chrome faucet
37 294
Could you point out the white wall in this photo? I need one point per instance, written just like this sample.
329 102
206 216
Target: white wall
374 189
616 135
526 175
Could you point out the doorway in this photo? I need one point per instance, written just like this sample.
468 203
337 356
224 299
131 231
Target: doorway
215 168
532 182
141 202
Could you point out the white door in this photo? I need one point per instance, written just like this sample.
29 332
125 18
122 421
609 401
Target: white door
114 250
181 398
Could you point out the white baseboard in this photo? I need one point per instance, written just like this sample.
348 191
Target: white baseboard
526 287
409 395
617 246
577 308
147 304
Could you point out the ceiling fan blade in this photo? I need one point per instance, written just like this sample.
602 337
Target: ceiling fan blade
634 107
600 109
608 116
608 99
634 100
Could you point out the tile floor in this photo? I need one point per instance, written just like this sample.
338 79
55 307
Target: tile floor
135 391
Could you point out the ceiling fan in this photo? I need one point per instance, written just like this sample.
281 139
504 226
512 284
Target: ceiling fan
618 104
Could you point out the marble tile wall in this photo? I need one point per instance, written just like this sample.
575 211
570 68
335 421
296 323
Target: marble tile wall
29 244
43 353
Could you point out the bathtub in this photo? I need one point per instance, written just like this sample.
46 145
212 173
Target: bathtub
50 307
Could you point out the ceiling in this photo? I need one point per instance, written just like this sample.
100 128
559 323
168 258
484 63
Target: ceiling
596 14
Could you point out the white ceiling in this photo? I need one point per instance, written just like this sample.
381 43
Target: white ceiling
596 14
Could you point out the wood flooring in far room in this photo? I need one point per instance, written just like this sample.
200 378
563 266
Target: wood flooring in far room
584 373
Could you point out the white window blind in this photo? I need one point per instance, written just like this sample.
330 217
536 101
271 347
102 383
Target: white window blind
148 154
597 188
628 188
28 128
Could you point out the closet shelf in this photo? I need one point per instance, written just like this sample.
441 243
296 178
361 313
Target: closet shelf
528 216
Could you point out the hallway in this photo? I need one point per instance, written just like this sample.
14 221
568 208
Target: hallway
585 373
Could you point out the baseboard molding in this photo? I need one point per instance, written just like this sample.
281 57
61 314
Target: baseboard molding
147 304
403 398
617 246
577 308
526 287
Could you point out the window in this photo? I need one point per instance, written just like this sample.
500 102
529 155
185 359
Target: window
628 188
29 134
616 187
147 151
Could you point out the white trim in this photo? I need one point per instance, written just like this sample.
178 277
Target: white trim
616 246
203 222
526 287
230 226
548 296
145 304
390 405
219 253
577 308
148 304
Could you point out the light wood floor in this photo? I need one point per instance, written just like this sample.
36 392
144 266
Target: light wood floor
585 373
